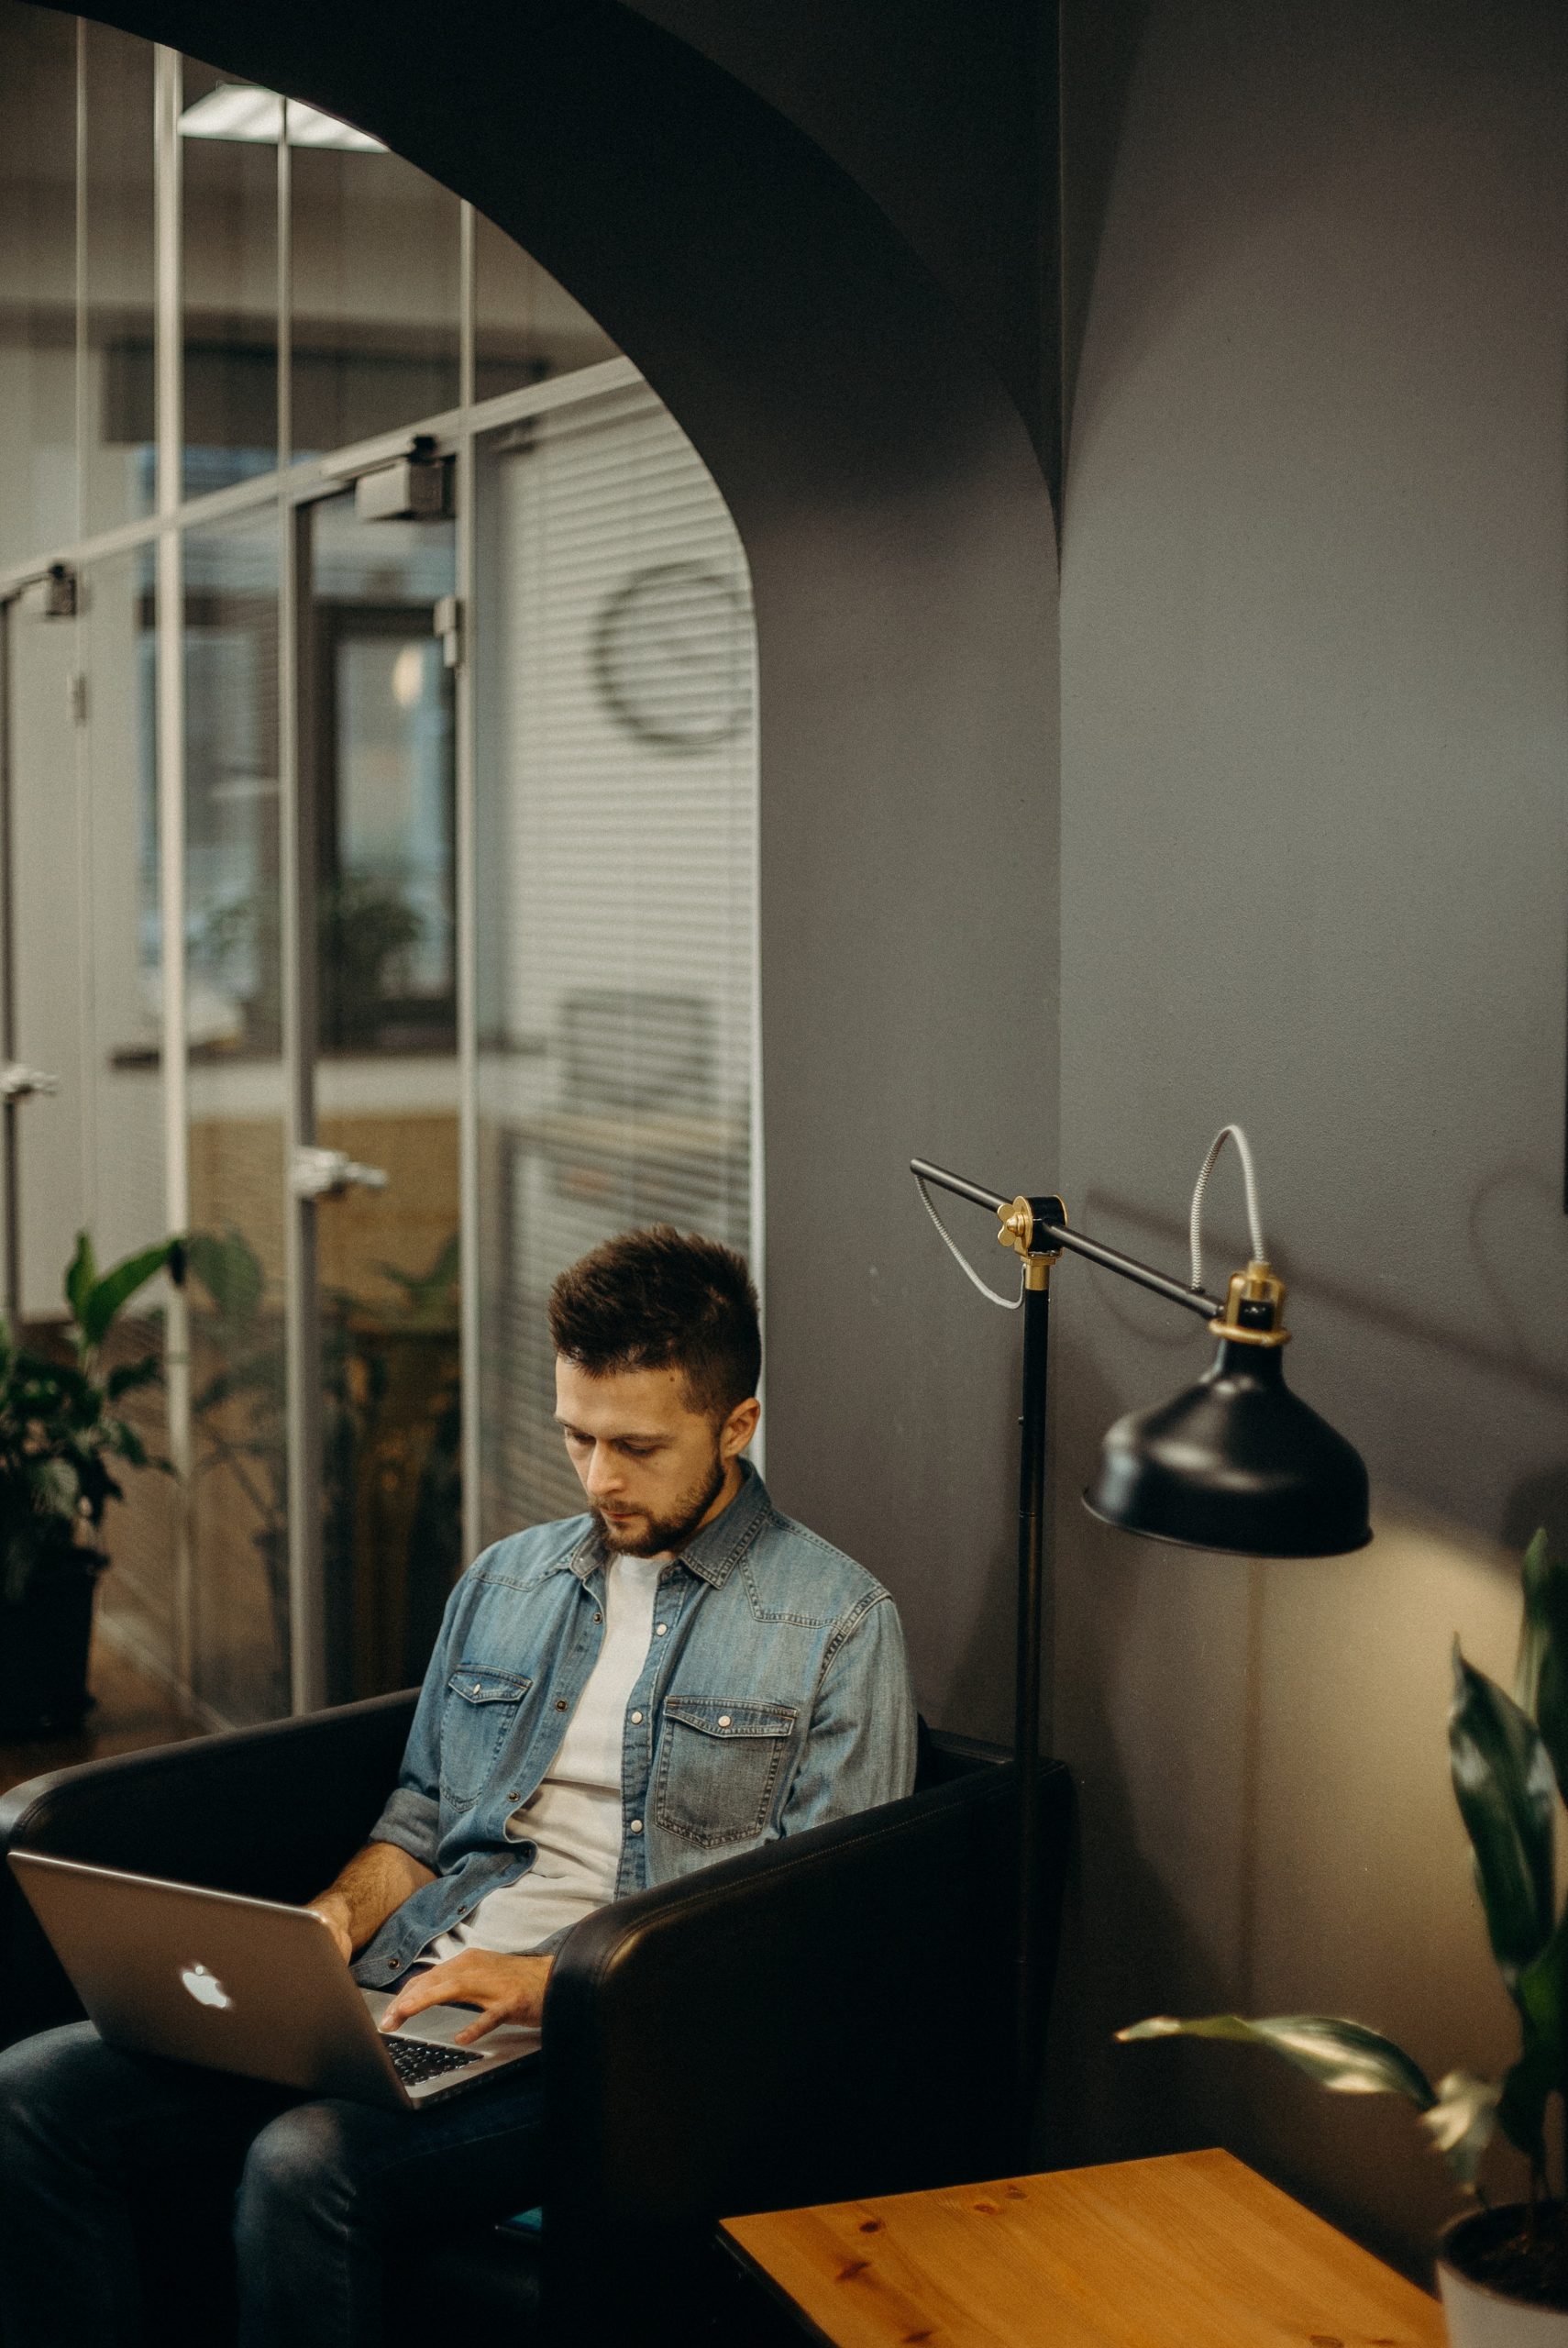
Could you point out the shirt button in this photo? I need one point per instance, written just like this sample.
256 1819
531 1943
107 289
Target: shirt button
724 1720
636 1826
560 1703
392 1964
661 1628
636 1719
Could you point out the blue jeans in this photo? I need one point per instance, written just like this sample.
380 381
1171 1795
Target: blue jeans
120 2176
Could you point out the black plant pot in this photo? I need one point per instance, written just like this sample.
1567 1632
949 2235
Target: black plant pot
44 1638
1478 2300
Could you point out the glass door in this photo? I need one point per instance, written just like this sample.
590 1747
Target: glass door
81 1009
374 1170
41 1082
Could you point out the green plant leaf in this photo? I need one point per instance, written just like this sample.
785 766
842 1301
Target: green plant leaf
230 1269
1343 2055
58 1486
429 1297
80 1275
1533 1629
1541 1992
259 1377
1521 2112
1542 1995
105 1298
1504 1784
126 1376
1463 2120
125 1440
1541 1673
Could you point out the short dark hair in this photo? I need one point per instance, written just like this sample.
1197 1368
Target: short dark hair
660 1298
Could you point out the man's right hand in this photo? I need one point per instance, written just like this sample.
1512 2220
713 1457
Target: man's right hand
333 1914
376 1881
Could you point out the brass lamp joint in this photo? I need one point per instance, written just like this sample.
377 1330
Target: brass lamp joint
1018 1232
1254 1308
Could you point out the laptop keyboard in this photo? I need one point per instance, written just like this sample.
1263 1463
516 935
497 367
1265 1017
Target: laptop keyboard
414 2059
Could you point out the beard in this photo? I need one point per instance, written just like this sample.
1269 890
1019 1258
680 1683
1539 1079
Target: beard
660 1534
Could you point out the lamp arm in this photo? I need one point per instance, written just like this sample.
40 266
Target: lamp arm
923 1171
1056 1235
1111 1259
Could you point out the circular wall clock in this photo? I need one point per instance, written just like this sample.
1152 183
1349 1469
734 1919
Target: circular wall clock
671 657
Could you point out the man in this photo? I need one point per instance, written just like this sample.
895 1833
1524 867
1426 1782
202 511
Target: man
614 1701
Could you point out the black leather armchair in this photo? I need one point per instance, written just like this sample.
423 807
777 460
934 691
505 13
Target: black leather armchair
828 2017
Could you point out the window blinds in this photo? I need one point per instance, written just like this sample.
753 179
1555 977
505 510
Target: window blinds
617 792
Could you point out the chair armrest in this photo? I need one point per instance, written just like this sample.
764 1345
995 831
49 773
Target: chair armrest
273 1811
830 2016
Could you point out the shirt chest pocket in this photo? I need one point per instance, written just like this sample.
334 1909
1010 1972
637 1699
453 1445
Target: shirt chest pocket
476 1720
720 1766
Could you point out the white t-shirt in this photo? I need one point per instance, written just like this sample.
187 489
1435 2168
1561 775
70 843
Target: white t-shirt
576 1819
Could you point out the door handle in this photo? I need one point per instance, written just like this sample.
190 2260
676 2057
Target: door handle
328 1173
19 1083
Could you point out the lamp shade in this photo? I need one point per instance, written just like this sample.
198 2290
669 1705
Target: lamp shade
1235 1462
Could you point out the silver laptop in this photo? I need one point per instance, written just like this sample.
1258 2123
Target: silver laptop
248 1986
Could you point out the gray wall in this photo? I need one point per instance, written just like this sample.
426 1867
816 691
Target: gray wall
1310 856
903 552
1315 712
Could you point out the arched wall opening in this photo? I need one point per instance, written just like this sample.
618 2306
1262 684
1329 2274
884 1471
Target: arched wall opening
899 537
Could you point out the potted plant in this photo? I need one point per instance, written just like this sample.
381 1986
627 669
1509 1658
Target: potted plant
61 1440
391 1494
1503 2271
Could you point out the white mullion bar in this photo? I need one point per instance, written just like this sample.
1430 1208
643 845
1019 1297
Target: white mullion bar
285 293
757 1209
305 482
466 910
171 696
468 297
302 1337
86 1038
299 948
82 424
507 407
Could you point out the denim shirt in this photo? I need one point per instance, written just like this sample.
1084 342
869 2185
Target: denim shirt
775 1696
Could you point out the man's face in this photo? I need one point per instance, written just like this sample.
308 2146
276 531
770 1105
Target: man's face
653 1469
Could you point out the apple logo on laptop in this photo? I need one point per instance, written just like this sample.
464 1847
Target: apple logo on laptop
204 1987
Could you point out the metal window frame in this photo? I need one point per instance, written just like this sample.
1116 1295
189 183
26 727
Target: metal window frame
287 493
169 752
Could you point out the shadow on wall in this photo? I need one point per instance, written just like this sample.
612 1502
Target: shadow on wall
1267 1819
1268 1827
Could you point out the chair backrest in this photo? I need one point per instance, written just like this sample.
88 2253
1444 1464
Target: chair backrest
842 2024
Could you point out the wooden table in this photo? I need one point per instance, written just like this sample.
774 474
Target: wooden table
1195 2250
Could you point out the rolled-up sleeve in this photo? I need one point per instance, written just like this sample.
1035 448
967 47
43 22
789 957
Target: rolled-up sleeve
860 1750
410 1817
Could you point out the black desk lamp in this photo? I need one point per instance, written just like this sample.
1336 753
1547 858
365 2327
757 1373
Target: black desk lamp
1234 1462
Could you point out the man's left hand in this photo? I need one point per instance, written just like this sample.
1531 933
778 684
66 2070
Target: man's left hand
508 1988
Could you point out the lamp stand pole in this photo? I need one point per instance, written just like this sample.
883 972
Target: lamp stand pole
1026 1707
1235 1463
1035 1229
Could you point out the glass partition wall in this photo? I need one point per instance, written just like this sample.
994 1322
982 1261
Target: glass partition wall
377 812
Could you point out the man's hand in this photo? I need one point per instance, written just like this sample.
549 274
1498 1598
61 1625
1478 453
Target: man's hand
509 1988
376 1881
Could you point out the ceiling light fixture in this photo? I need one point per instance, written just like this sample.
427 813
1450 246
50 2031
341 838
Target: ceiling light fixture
237 110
